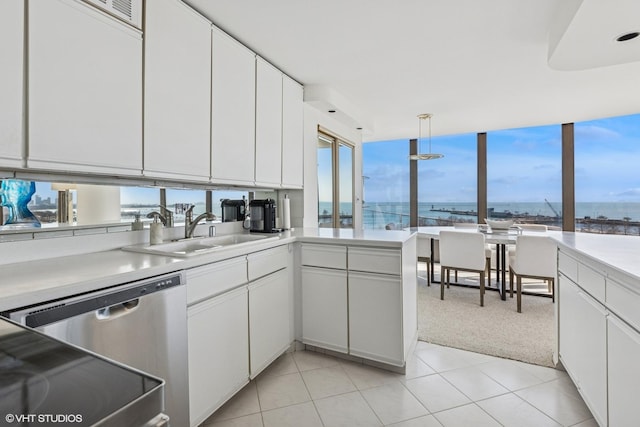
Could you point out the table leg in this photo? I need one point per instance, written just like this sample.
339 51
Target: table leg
498 248
433 277
503 272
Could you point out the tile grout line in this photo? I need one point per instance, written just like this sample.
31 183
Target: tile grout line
313 402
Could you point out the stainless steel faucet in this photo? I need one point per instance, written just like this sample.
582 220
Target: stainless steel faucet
168 216
190 223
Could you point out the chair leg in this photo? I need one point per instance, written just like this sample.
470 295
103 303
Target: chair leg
455 276
511 282
428 271
443 272
449 277
489 272
519 284
482 289
553 291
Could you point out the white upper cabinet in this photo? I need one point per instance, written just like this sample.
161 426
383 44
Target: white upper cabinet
268 124
233 111
177 96
85 90
292 133
11 82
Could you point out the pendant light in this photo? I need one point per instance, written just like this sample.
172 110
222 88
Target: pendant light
429 155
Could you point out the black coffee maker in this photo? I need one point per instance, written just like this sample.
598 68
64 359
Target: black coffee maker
233 210
263 216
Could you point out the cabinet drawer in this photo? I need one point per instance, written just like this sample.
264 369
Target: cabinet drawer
591 281
568 266
213 279
266 262
329 256
374 260
624 300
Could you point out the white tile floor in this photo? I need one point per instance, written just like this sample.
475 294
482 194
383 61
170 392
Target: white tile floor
442 387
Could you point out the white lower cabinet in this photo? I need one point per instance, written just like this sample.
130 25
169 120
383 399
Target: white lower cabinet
269 324
583 346
218 334
324 308
218 352
624 373
375 317
360 300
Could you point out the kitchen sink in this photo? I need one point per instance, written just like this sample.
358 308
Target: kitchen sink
199 245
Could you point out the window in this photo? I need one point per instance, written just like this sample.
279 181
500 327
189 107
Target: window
335 182
524 175
607 184
447 187
385 181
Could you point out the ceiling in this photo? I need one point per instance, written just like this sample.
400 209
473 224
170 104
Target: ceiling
476 65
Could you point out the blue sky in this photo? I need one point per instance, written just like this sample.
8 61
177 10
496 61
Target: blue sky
523 165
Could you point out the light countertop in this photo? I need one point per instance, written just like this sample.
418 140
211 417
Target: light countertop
617 252
27 283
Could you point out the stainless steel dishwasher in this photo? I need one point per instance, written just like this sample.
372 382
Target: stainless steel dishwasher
141 324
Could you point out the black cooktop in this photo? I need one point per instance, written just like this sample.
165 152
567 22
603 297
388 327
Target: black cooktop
44 381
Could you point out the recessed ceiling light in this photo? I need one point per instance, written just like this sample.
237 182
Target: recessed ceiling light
628 36
332 111
358 128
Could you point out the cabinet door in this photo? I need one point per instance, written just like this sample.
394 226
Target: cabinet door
292 134
268 124
177 96
218 352
583 331
568 322
85 90
324 308
233 111
375 317
11 82
624 372
269 328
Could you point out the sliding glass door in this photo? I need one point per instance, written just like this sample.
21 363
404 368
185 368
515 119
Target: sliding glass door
335 182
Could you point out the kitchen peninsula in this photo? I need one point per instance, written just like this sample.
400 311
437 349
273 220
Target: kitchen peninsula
278 285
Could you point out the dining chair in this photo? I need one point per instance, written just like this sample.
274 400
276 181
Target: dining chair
490 252
424 254
533 227
534 258
511 249
465 252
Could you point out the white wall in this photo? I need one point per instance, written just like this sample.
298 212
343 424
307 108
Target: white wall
312 119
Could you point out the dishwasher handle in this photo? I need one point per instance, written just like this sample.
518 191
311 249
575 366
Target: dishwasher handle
117 310
117 301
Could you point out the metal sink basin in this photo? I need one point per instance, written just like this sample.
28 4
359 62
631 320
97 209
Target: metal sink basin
199 245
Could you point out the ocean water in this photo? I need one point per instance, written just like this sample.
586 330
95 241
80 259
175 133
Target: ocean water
377 215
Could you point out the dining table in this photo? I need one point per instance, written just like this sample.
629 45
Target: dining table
499 237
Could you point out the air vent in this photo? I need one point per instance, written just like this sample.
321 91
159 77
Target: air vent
129 11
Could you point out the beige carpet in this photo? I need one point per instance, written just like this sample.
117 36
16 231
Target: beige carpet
495 329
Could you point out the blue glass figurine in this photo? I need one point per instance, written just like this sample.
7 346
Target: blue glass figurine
15 195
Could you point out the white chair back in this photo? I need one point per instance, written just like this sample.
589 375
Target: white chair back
533 227
535 256
465 225
462 249
424 246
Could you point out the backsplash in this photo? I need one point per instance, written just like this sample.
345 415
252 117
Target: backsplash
23 247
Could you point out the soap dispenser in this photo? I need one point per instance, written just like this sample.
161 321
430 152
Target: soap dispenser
137 224
155 230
